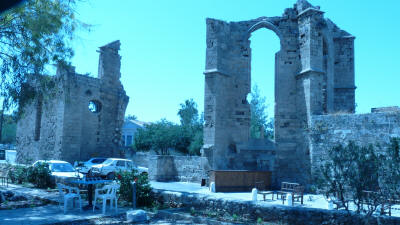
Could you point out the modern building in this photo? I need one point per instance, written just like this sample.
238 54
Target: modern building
129 129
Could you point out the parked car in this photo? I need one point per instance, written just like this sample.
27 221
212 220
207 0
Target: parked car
86 166
112 165
60 170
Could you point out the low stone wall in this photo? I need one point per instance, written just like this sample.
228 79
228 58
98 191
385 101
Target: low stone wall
140 158
328 131
177 168
276 213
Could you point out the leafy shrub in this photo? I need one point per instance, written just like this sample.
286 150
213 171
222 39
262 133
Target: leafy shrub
40 176
360 174
143 188
17 174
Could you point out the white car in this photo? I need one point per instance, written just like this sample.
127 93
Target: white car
88 164
112 165
60 169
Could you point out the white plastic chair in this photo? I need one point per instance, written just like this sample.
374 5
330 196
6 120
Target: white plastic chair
67 193
108 192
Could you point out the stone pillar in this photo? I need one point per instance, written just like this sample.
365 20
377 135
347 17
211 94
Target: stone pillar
311 77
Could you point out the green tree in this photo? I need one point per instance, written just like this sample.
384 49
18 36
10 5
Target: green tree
188 113
163 135
159 136
131 117
259 117
348 172
8 131
33 35
191 135
389 171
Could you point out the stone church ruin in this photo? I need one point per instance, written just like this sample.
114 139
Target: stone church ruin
314 96
82 120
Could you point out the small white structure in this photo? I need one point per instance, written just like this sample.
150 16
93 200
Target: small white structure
7 156
212 187
289 199
254 193
129 129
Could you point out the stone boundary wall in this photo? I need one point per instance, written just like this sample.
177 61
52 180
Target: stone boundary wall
167 168
278 213
327 131
140 158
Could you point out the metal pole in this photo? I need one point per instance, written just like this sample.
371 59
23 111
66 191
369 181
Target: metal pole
133 194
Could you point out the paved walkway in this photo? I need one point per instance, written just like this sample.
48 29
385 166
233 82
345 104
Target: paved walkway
310 200
49 214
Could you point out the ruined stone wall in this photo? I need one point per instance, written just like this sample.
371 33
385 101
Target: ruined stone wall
327 131
69 130
314 75
168 168
40 128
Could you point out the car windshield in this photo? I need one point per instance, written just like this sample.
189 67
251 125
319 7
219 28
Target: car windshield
61 167
108 162
97 161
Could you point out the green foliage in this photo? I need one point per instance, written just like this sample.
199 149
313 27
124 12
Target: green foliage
131 117
40 176
351 170
8 131
197 143
18 174
188 113
163 135
33 35
389 172
143 188
160 136
235 217
259 118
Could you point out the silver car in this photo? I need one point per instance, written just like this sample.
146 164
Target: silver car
112 165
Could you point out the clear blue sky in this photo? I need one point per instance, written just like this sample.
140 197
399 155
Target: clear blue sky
163 47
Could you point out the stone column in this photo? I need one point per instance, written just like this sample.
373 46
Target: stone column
311 77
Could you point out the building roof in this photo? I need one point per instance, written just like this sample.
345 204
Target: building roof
137 122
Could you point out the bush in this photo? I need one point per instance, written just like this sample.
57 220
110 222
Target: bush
17 174
143 188
360 174
40 176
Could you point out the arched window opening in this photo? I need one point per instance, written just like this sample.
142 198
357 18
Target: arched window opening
94 106
264 45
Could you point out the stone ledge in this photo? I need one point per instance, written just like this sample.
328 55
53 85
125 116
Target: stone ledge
280 213
213 71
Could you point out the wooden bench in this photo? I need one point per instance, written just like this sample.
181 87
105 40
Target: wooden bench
260 186
295 189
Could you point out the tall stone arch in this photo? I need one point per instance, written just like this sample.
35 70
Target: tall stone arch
305 85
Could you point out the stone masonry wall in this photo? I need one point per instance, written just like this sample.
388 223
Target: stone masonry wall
274 213
61 125
314 75
177 168
328 131
139 158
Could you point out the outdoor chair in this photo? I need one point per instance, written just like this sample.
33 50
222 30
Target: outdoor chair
67 193
108 192
286 188
260 186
